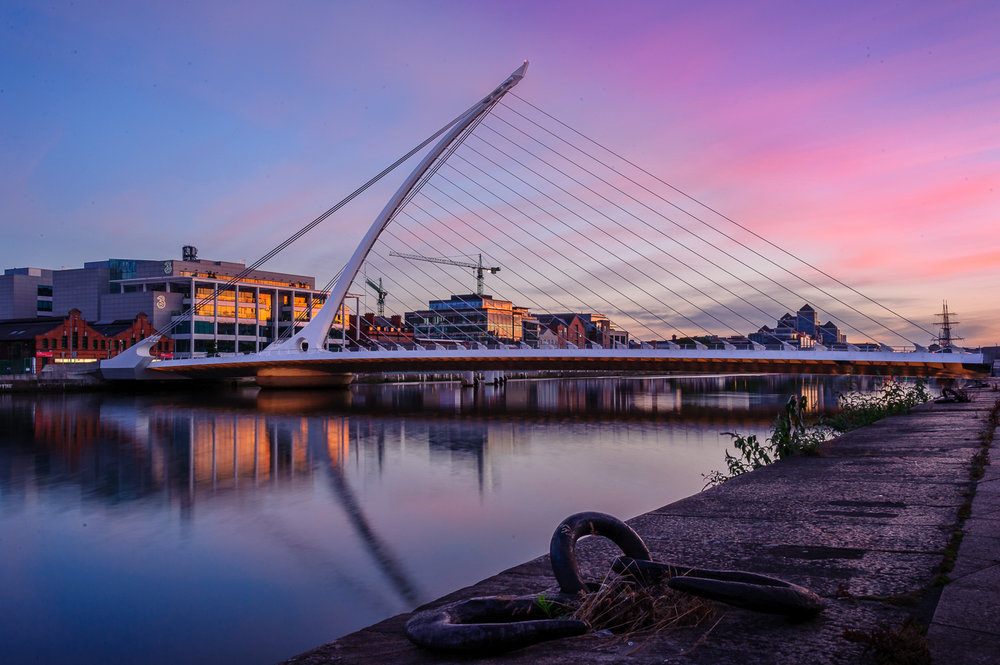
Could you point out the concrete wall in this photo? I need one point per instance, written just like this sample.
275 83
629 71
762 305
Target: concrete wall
19 292
116 306
80 288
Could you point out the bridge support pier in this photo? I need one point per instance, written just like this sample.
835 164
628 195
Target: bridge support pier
297 377
493 377
468 379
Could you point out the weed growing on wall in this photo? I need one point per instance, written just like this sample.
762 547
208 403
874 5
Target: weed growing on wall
793 432
859 409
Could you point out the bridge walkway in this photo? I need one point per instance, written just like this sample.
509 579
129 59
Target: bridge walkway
617 360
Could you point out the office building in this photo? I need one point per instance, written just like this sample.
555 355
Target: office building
469 318
800 329
233 312
25 293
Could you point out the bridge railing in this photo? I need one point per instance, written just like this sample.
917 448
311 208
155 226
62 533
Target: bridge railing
457 346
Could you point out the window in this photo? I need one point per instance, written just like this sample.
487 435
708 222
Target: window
64 341
45 342
44 291
204 327
44 305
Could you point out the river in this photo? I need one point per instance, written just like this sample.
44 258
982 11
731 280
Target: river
247 526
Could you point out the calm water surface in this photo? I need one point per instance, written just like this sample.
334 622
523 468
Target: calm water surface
250 526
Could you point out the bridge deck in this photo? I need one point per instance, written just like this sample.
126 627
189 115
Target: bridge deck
616 360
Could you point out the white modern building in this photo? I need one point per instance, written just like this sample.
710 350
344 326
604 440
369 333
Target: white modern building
233 312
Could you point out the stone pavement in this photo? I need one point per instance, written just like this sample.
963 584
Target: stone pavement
866 525
966 625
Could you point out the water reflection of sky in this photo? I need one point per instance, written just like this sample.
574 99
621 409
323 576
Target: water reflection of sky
251 526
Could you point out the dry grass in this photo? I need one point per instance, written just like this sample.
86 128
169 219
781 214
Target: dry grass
905 644
626 609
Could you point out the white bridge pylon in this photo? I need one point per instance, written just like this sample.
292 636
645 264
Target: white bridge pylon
314 335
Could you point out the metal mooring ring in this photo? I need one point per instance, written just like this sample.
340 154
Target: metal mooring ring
492 623
562 548
733 587
501 623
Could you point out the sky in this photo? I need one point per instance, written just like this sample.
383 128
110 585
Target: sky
863 135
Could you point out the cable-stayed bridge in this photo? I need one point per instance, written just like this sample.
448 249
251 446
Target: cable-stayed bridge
581 260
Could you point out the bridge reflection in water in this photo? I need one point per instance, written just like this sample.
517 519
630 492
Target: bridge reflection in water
288 518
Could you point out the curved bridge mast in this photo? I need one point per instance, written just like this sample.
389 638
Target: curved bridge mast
314 335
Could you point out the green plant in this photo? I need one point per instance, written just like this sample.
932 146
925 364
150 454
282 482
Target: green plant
548 607
794 433
791 434
752 454
858 409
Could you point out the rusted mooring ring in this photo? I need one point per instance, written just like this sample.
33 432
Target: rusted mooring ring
562 548
490 624
501 623
751 591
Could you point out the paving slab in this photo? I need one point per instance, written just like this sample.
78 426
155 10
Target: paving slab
965 629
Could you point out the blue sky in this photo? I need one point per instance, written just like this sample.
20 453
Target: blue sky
865 135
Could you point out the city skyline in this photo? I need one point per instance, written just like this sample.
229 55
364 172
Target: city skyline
861 136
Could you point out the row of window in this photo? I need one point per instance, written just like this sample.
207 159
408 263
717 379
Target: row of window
243 280
245 329
83 345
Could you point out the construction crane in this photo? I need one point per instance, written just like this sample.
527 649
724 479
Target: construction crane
477 267
382 293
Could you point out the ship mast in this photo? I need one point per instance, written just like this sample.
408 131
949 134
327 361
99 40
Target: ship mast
945 339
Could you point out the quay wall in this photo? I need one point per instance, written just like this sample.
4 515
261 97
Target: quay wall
872 525
54 378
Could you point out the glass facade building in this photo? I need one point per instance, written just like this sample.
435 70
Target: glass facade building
469 318
199 303
210 313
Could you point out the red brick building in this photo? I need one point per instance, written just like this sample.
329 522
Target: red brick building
379 329
48 340
563 332
124 333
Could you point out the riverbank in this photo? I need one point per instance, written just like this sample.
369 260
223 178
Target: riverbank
55 378
873 525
